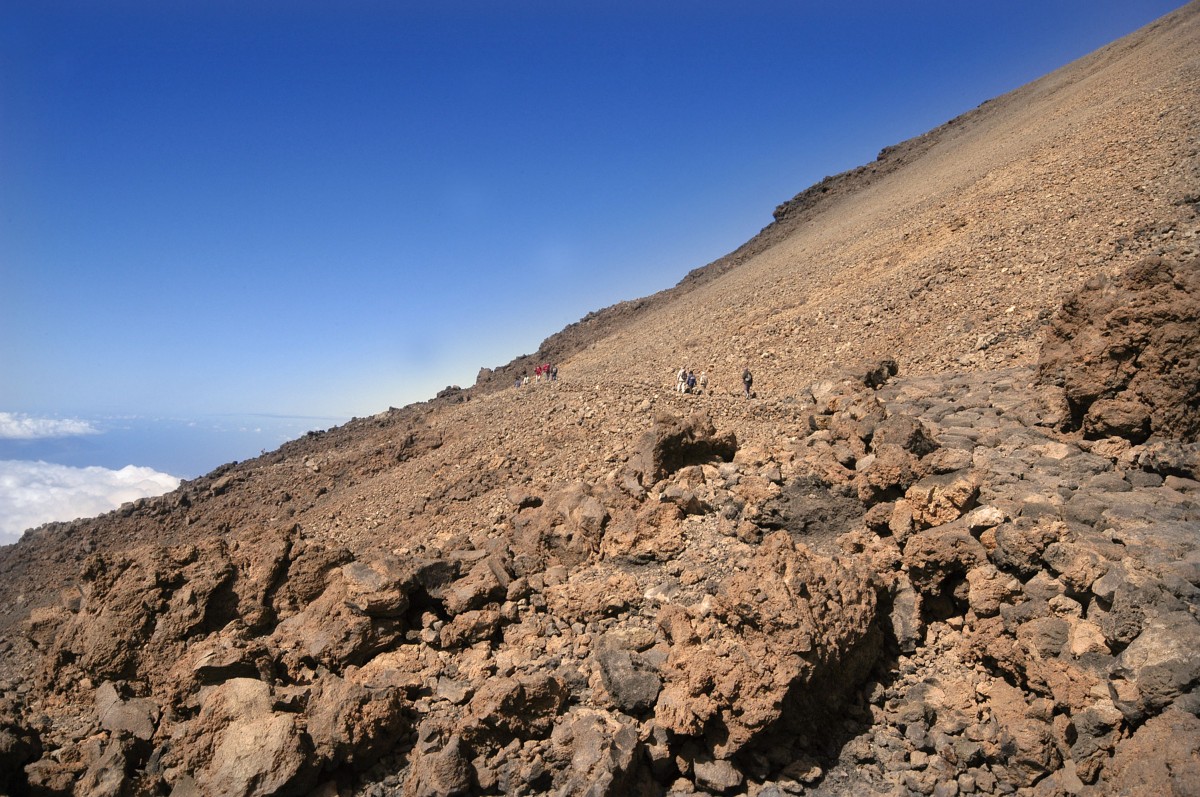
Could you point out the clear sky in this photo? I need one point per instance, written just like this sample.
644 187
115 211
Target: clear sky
329 208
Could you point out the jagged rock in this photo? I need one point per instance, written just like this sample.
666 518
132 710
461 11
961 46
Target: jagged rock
1166 457
137 716
444 772
352 724
523 707
937 500
219 658
674 443
1123 349
1158 666
788 621
1095 730
886 474
603 754
936 555
1162 757
1027 750
241 746
1077 565
486 582
908 627
717 777
1018 545
376 588
109 774
907 432
630 679
989 589
19 745
469 627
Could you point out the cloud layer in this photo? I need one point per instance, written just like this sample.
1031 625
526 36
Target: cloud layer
15 426
33 493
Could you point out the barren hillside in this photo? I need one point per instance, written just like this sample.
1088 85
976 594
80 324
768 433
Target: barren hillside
949 547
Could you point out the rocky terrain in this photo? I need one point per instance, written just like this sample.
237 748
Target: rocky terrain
951 545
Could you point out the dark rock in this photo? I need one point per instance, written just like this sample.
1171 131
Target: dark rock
1162 663
630 680
19 745
604 755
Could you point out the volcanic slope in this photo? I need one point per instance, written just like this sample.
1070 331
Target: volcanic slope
954 579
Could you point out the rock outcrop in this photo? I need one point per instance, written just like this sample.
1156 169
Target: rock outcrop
1127 350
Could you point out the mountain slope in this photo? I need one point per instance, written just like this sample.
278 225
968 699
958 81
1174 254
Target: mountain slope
579 585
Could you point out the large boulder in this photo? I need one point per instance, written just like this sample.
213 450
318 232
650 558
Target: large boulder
1162 758
1127 349
784 636
673 443
239 745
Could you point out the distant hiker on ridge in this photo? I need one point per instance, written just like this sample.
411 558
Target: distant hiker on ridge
747 381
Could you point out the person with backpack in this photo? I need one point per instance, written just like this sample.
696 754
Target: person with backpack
747 381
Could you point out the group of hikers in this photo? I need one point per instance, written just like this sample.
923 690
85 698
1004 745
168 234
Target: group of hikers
687 382
545 371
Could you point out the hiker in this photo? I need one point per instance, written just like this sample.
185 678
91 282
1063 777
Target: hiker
691 382
703 381
747 381
681 380
554 373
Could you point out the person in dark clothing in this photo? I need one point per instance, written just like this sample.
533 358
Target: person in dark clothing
747 381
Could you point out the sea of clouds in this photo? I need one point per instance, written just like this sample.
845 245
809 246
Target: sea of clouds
37 492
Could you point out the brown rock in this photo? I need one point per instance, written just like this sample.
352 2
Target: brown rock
603 752
935 555
674 443
787 624
352 724
136 716
1126 350
238 745
937 500
1163 757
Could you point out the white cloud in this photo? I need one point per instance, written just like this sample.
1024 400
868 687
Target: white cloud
33 493
15 426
